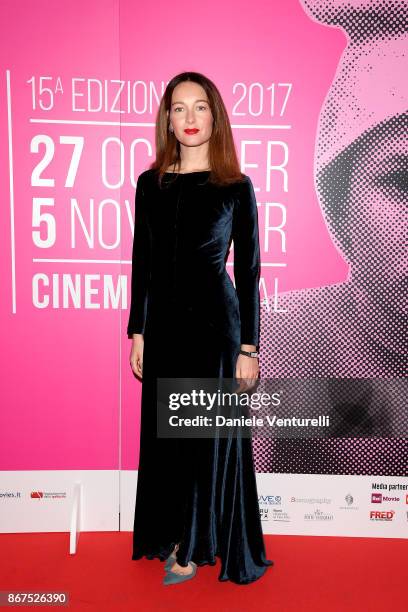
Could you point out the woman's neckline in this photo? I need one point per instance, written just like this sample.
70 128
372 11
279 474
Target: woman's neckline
193 172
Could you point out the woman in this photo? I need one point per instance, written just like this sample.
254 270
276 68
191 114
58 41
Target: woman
187 320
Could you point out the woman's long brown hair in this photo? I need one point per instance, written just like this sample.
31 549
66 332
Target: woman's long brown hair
223 159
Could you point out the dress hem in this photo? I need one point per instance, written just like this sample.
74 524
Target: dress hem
201 563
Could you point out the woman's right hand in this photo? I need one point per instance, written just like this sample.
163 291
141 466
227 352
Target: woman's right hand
136 355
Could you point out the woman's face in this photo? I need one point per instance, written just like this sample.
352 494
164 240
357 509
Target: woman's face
379 217
190 110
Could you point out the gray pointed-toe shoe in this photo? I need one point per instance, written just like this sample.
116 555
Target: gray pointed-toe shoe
173 578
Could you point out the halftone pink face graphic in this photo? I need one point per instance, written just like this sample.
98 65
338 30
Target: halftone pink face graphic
357 328
378 216
361 180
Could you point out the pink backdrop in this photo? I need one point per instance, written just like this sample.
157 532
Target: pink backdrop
69 399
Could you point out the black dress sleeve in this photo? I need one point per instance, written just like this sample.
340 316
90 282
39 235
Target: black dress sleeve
247 265
141 262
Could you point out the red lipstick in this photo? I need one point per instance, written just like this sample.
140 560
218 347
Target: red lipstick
192 131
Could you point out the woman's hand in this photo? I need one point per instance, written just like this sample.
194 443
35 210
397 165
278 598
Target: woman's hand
136 355
247 370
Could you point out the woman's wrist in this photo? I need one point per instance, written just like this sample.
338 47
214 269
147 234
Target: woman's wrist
249 347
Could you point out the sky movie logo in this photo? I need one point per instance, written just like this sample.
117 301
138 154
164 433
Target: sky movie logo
378 498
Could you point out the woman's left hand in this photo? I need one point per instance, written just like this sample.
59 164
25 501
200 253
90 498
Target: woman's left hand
247 372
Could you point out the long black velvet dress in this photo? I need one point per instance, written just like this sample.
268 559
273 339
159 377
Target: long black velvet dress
200 493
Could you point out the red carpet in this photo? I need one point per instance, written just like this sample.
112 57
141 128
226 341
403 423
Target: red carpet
310 573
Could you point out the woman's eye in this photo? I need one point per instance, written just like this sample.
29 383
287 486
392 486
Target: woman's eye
204 107
397 178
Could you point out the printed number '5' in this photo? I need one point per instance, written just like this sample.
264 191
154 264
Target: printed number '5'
46 218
